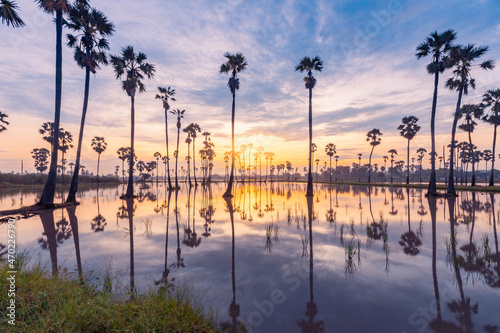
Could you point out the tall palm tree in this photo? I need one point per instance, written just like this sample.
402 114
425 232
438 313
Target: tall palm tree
123 153
188 158
180 115
9 15
330 150
166 94
421 153
462 58
468 111
57 7
336 163
235 64
359 167
437 45
374 137
408 129
133 67
309 65
99 146
65 143
3 122
157 155
491 100
91 28
392 152
487 156
192 130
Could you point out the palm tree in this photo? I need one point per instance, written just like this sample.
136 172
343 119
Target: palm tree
309 65
243 149
330 150
374 137
392 152
166 94
260 149
180 115
188 158
133 67
491 100
409 129
8 14
165 162
91 28
462 59
157 155
3 121
57 7
437 45
249 167
487 156
192 130
336 162
359 168
123 155
421 153
317 164
65 142
468 111
235 64
99 146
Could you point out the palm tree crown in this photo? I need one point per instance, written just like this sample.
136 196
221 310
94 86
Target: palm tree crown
409 127
165 94
309 65
8 14
437 45
236 63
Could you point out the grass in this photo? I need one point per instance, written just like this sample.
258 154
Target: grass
65 304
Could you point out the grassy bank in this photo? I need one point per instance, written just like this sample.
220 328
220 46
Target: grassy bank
64 304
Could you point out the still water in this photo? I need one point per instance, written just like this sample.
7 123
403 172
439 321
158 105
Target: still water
351 259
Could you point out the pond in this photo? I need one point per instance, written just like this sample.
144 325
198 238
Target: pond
350 259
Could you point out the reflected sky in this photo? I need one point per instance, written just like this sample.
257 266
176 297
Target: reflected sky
352 259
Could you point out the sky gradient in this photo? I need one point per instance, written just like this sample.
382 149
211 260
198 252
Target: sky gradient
371 78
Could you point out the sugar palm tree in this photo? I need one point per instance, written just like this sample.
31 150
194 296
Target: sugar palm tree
235 64
408 129
392 152
487 156
179 114
91 28
188 158
491 101
3 122
330 150
57 7
133 67
359 167
9 15
99 146
157 155
123 155
374 137
463 58
65 143
437 45
336 163
166 94
421 153
192 130
309 65
470 111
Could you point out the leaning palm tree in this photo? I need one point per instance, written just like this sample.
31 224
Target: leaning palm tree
57 7
133 68
409 129
91 27
9 15
309 65
330 150
235 64
99 146
468 111
437 45
491 100
166 94
462 58
192 130
180 115
374 137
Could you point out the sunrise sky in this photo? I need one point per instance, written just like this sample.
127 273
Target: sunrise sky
371 78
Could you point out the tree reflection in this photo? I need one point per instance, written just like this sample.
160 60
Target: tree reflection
180 260
73 220
99 222
165 281
49 231
190 237
409 240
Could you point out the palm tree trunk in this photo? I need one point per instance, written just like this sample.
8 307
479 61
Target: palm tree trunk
370 165
194 163
330 169
123 172
47 198
408 163
168 156
432 189
74 180
473 181
177 157
189 166
451 182
130 185
492 176
98 162
309 191
231 176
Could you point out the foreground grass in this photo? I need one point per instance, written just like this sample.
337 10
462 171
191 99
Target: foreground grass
65 304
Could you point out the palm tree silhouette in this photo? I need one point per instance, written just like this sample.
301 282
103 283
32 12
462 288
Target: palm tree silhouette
192 130
166 94
91 27
3 121
336 162
188 158
99 146
235 64
9 15
57 7
491 100
462 59
65 142
309 65
133 68
487 156
437 45
421 153
359 168
468 111
374 137
409 129
157 155
180 114
392 152
123 155
330 150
